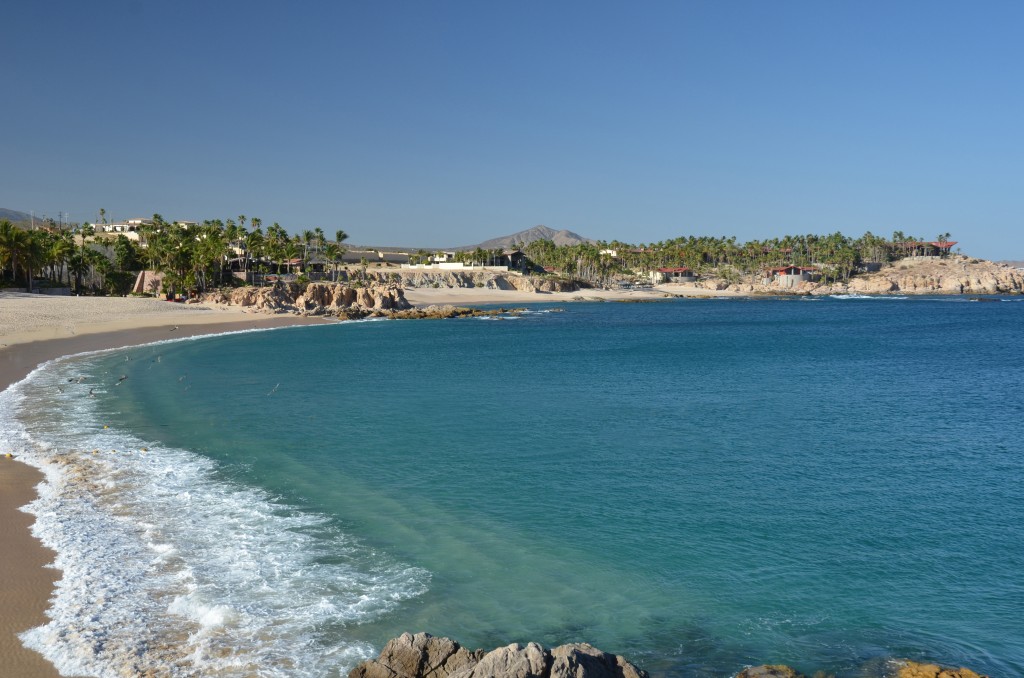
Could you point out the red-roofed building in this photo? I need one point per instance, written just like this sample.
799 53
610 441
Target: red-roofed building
790 276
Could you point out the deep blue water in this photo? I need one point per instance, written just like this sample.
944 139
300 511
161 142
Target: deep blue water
695 484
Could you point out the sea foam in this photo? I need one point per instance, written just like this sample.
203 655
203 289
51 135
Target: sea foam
168 568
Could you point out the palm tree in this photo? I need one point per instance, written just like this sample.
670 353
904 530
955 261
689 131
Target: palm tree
85 232
13 242
333 254
291 250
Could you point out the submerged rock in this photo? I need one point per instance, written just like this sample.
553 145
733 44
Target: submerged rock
769 671
424 656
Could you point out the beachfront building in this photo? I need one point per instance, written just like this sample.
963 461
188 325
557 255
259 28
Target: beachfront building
677 274
791 276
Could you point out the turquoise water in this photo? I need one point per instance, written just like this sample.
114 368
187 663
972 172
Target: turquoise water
698 485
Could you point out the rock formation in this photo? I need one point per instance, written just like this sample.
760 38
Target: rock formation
921 275
909 669
314 299
958 275
448 311
452 279
424 656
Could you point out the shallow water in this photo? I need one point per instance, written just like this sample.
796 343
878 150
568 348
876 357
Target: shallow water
698 485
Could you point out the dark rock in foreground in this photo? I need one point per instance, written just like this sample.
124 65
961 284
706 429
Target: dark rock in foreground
424 656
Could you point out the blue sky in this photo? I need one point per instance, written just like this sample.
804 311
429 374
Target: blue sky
447 123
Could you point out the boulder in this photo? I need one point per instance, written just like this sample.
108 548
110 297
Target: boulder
909 669
417 656
424 656
511 661
580 660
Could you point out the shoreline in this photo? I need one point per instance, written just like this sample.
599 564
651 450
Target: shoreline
44 331
427 296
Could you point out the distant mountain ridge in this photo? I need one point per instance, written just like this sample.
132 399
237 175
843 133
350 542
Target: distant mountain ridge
14 216
560 238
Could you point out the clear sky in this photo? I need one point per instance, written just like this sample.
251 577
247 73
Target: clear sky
443 123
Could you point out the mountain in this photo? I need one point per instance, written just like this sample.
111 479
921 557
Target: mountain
560 238
14 216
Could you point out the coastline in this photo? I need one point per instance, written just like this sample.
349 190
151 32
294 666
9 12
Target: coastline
425 296
27 581
38 329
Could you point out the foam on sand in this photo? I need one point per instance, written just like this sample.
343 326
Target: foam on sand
168 567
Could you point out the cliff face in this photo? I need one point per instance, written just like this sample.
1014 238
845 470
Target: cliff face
316 299
955 275
941 276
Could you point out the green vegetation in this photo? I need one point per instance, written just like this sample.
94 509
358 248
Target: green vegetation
198 257
836 255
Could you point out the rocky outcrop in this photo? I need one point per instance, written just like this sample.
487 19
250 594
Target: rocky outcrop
922 275
424 656
941 276
909 669
314 299
447 311
452 279
418 656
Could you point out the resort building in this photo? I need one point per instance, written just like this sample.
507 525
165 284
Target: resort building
128 226
791 276
679 274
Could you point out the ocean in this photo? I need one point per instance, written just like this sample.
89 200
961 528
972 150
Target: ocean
697 485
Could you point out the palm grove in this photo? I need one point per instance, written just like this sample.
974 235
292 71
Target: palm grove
200 257
191 257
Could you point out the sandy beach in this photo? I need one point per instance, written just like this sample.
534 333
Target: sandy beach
34 329
425 296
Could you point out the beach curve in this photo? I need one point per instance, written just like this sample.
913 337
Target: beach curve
35 329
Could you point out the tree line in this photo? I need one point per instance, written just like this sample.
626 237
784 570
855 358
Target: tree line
838 256
191 256
201 256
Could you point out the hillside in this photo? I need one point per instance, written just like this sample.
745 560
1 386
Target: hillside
560 238
14 216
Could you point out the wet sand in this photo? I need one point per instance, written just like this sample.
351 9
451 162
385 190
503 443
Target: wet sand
33 330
